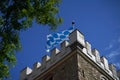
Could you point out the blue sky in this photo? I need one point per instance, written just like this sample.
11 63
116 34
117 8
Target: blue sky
98 20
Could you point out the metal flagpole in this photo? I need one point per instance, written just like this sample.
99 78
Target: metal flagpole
73 24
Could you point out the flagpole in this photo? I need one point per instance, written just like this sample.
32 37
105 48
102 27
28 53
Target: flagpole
73 24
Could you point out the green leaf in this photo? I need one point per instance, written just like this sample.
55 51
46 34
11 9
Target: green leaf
17 15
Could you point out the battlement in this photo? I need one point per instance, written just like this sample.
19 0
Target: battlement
57 55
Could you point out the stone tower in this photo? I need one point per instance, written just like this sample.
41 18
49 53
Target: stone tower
74 61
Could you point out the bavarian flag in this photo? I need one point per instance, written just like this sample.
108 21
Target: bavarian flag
57 38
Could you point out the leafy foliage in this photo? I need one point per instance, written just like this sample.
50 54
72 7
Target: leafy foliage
17 15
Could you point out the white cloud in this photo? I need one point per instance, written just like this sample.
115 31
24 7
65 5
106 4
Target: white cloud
113 43
109 47
114 49
113 54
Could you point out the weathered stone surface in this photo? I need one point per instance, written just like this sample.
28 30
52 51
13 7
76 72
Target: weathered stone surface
86 71
64 71
118 73
75 67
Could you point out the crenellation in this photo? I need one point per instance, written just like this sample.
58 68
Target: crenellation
45 59
102 65
84 50
110 72
53 54
113 69
105 62
63 46
77 36
36 69
92 57
64 52
36 65
95 52
56 55
88 46
25 72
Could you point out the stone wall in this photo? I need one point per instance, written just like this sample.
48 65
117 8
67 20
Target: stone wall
87 71
64 71
84 64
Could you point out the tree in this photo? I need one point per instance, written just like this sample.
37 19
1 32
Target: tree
18 15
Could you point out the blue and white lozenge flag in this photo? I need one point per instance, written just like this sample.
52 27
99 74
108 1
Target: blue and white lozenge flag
57 38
